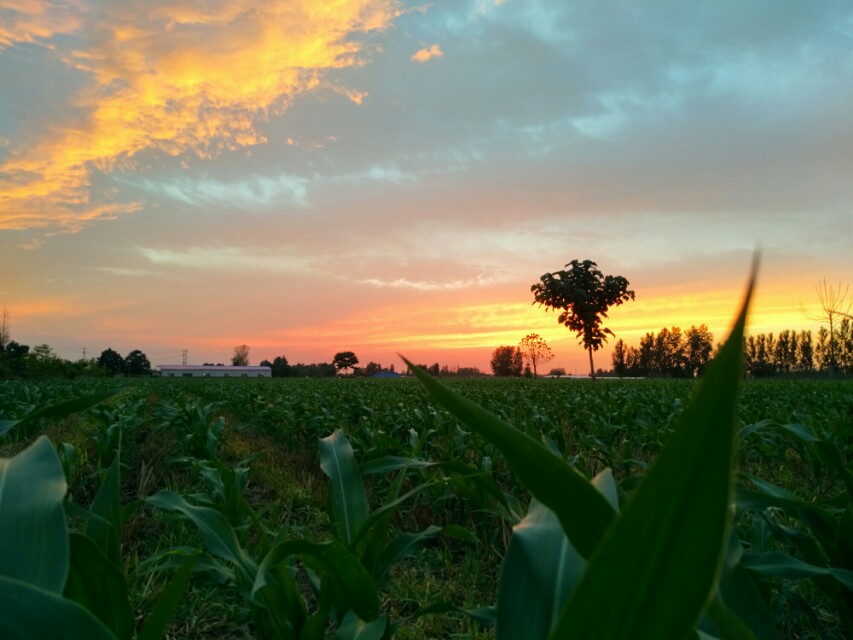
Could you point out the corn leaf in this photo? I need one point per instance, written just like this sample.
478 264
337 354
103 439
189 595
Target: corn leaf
347 499
784 566
656 570
99 585
34 538
213 527
59 410
104 529
30 612
353 628
583 512
350 578
540 570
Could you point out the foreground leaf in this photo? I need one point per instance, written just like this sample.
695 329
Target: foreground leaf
30 612
657 569
99 585
33 533
539 571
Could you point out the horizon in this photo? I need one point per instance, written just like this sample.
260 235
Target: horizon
389 177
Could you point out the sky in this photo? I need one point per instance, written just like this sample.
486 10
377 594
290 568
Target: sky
386 176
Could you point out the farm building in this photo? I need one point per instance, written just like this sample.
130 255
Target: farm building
209 371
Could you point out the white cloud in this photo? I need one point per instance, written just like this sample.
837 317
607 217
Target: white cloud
227 259
432 285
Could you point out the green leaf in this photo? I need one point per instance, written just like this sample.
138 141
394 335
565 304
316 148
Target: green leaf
353 628
59 410
213 527
168 601
583 511
402 546
347 499
30 612
540 570
104 530
99 585
656 570
781 565
34 538
348 575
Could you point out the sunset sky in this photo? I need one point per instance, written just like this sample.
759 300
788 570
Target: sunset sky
384 176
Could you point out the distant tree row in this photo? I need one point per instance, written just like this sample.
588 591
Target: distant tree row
19 361
684 354
798 352
672 353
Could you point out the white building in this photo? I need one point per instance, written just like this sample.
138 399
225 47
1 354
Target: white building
209 371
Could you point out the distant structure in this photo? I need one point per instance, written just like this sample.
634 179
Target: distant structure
212 371
386 374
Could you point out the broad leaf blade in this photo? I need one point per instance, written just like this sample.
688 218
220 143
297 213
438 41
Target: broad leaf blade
347 499
34 538
583 511
540 570
104 529
30 612
658 566
99 585
349 576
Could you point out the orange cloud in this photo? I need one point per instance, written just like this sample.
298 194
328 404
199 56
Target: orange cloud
175 79
427 54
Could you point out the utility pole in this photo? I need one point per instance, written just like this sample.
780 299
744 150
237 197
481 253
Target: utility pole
184 356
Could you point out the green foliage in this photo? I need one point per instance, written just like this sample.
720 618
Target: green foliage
344 361
506 361
582 295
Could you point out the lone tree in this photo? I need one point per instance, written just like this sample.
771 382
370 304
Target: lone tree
506 361
535 351
582 295
241 356
345 360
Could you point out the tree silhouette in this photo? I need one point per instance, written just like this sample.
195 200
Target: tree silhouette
506 361
535 350
344 360
241 356
582 295
834 307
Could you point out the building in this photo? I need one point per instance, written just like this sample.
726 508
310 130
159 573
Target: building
212 371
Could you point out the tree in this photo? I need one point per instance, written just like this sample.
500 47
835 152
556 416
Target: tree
834 307
620 359
535 351
583 295
136 364
507 361
372 369
698 345
111 361
241 356
280 367
344 360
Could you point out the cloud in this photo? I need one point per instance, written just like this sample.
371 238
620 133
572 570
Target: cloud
227 259
174 79
424 55
432 285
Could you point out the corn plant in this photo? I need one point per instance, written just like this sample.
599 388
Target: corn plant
55 582
653 569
